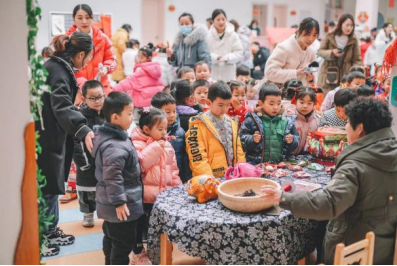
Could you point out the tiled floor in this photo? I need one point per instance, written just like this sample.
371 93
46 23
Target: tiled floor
87 249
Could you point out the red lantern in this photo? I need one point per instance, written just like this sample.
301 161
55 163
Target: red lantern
171 8
293 13
363 16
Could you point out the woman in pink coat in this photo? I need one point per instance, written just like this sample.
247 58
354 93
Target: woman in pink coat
307 120
144 83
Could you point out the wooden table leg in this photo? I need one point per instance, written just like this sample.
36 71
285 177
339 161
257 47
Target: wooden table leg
165 250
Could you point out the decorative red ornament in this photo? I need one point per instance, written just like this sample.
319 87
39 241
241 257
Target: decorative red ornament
363 16
171 8
293 13
391 3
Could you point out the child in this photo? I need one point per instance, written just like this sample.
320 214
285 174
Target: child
243 73
238 107
144 83
252 94
270 137
386 84
212 141
167 89
159 169
119 187
129 57
353 80
94 97
167 104
200 93
307 119
336 117
365 91
187 73
185 102
203 71
47 52
289 91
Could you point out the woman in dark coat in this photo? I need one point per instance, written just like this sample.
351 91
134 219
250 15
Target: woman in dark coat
60 118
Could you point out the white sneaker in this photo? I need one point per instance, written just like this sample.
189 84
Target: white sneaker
88 220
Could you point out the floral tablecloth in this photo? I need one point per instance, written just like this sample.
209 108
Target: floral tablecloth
220 236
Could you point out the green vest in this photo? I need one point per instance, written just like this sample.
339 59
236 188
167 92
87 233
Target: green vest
274 131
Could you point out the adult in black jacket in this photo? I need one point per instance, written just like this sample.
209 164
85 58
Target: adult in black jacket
61 118
261 54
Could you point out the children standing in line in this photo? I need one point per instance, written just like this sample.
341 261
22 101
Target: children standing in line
94 96
203 71
270 137
159 169
187 73
119 188
176 134
144 83
307 119
212 141
336 117
238 107
200 93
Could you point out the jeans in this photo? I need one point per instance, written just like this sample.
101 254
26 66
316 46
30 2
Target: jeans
52 205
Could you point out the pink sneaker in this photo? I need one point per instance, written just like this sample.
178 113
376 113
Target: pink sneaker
140 259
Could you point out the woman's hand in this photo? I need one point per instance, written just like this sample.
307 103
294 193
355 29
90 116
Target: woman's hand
88 140
103 71
336 53
169 52
272 194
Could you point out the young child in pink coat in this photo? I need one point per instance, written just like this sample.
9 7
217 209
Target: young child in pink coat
307 119
144 83
159 167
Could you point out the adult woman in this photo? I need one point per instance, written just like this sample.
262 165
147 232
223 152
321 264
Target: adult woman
225 47
119 40
103 53
291 57
384 38
190 46
340 50
254 26
59 119
361 194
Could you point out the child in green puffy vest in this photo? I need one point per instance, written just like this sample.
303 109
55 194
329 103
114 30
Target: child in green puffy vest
268 137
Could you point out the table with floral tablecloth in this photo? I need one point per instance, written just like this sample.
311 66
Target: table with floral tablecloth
220 236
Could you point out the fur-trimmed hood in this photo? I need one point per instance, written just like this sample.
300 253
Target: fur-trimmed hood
199 33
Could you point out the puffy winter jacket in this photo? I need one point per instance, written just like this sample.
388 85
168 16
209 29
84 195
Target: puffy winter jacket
184 114
304 126
118 173
168 73
119 40
159 167
103 53
205 149
255 152
143 84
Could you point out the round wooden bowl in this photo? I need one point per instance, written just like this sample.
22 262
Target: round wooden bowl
228 189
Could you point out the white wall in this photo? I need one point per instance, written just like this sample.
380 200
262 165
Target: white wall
122 11
15 115
388 13
240 10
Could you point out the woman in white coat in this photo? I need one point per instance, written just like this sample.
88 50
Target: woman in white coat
384 38
225 47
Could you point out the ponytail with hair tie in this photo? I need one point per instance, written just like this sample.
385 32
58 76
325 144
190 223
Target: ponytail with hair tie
296 90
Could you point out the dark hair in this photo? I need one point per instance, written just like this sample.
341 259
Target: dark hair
200 83
235 24
251 82
181 90
373 114
254 21
295 26
290 87
132 42
90 84
306 91
338 31
151 117
234 84
219 89
186 15
344 96
344 78
84 7
365 91
200 63
184 70
217 12
385 25
69 46
127 27
162 98
166 87
147 50
332 24
242 70
210 20
47 51
268 90
354 75
257 43
307 25
115 103
357 68
374 29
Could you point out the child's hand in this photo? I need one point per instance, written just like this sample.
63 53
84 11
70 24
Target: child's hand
257 137
122 212
236 104
161 143
289 138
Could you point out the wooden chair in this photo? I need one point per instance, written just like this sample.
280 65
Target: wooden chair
361 252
